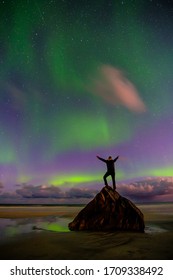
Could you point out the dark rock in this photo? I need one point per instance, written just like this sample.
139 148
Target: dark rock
109 211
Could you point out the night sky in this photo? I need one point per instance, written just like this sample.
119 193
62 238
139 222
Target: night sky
80 79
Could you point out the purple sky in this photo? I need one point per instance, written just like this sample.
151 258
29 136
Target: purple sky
80 80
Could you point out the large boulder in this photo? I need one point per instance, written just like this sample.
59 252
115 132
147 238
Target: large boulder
109 211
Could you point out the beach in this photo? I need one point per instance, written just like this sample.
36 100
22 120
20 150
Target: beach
41 232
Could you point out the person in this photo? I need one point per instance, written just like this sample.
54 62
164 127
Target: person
110 170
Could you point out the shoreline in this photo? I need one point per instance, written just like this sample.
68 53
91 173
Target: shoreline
151 212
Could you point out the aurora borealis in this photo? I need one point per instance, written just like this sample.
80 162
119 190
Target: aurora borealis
80 79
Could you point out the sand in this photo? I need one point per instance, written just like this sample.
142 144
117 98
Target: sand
155 243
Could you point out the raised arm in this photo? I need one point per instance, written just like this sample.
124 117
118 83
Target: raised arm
116 158
102 159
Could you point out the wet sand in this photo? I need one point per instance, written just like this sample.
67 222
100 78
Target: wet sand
155 243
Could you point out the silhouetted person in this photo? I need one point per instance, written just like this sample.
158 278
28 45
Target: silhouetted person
110 169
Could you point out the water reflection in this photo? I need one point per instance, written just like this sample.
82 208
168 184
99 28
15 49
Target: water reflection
154 229
13 227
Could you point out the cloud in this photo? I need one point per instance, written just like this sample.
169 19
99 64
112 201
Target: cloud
149 189
112 85
44 191
40 192
10 197
80 193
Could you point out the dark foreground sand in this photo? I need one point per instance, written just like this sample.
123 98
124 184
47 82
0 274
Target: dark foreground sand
154 244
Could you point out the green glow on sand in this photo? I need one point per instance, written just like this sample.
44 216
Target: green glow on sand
56 227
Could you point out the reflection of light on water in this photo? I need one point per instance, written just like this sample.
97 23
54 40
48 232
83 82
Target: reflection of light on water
60 226
14 227
56 227
154 229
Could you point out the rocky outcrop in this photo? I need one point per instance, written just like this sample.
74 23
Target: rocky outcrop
109 211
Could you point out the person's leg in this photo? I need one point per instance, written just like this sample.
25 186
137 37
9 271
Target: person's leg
113 181
104 178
